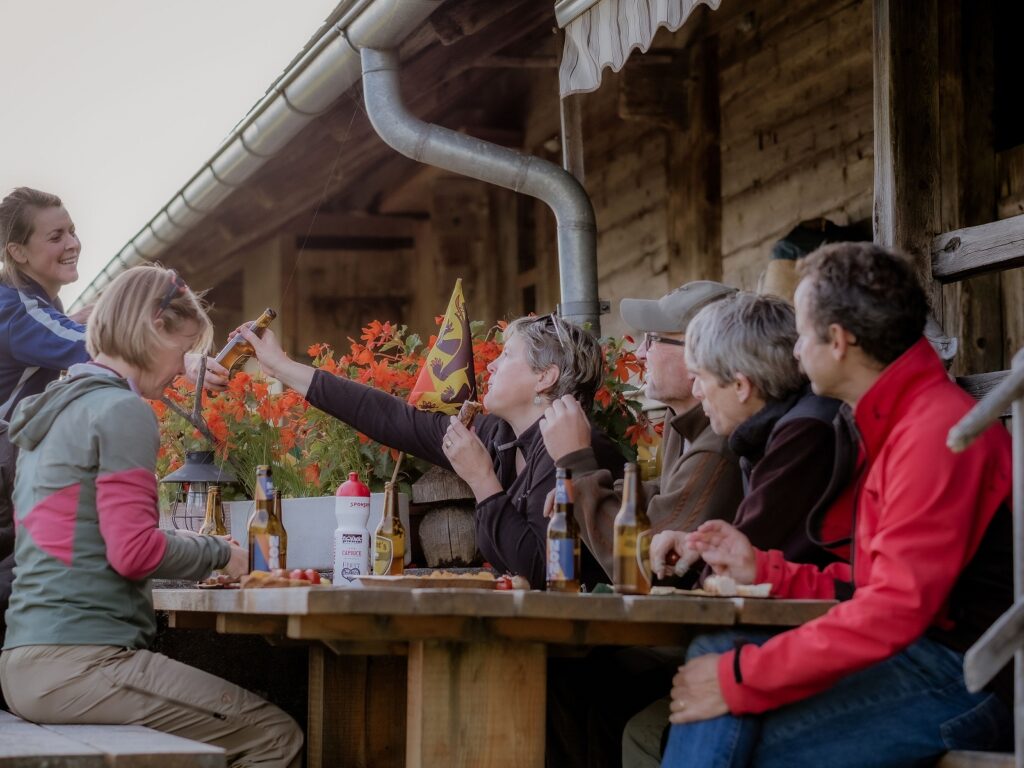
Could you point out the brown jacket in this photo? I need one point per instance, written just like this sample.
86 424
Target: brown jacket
704 483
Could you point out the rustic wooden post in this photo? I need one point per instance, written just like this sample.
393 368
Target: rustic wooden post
971 307
695 172
906 127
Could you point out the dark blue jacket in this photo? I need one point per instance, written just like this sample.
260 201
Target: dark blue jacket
37 342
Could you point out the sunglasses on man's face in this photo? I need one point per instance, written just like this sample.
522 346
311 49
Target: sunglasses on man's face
175 289
650 339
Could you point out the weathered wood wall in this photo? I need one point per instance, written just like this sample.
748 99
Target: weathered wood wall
794 91
797 133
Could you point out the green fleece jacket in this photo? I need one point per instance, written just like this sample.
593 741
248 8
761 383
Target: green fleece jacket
85 502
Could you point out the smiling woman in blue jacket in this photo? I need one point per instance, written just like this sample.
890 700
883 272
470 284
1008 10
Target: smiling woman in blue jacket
37 339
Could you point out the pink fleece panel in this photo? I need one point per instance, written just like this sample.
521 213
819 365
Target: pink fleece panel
51 523
127 506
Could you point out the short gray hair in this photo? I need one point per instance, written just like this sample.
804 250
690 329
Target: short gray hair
749 334
550 340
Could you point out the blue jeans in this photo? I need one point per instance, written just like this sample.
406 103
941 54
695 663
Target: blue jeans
905 711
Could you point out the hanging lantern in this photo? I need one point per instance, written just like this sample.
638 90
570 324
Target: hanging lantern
193 478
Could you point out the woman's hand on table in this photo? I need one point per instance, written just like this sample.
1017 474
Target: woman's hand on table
470 459
696 694
727 550
564 427
274 362
671 555
216 378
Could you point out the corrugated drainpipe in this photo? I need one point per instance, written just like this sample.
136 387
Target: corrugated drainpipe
478 159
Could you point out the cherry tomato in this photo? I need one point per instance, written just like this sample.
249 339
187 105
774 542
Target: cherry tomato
297 574
503 583
312 576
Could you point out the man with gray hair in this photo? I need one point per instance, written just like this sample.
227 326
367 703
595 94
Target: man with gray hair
740 352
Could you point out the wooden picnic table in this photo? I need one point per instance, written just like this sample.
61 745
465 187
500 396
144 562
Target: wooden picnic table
459 675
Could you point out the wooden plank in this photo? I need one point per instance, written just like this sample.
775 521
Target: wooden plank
780 613
994 649
976 760
240 624
694 173
26 745
356 711
187 620
134 746
984 248
905 48
476 706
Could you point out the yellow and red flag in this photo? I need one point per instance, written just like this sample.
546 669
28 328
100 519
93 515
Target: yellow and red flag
448 379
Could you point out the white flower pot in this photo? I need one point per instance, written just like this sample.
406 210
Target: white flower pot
310 524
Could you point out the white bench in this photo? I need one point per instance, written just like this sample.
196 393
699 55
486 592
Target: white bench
27 745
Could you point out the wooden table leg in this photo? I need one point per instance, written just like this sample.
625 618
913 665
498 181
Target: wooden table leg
356 710
478 705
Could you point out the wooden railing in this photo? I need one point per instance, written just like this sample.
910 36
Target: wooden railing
1004 639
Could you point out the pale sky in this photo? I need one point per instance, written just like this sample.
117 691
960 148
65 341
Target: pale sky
114 104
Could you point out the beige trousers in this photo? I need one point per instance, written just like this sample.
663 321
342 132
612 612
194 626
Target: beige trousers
641 741
102 684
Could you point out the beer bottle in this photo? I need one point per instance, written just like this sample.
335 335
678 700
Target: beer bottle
563 538
268 542
213 522
631 522
389 538
238 350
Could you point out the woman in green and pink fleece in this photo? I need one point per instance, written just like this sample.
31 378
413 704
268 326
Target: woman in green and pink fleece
81 611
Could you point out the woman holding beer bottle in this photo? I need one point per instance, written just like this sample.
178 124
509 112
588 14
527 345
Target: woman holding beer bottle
81 612
40 250
502 457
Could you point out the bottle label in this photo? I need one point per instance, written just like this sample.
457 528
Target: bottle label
383 555
350 560
561 560
562 495
625 542
266 485
266 554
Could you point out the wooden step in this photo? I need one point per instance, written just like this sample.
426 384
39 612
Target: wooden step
976 760
27 745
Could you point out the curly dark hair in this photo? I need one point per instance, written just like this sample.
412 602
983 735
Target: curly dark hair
870 291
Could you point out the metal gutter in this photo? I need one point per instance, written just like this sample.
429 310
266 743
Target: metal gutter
311 84
482 160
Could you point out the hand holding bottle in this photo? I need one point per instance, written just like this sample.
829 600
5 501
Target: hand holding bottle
274 362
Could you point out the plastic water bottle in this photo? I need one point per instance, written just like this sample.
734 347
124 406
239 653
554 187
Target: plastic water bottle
351 538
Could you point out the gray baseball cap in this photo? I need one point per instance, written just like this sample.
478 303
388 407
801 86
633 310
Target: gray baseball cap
673 311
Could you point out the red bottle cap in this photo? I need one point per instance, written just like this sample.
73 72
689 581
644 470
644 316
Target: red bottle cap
352 487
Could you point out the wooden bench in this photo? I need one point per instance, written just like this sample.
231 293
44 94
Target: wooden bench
27 745
976 760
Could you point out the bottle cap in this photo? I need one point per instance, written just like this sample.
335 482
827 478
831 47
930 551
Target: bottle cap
352 487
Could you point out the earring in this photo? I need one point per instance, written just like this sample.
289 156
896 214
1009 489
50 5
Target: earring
538 400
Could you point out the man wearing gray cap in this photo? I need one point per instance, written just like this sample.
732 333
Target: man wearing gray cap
700 480
700 477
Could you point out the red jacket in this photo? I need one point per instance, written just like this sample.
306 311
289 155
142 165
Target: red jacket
920 512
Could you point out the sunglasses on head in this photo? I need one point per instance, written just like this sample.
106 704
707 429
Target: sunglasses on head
175 289
555 322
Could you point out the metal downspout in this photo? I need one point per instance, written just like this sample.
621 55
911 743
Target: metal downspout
478 159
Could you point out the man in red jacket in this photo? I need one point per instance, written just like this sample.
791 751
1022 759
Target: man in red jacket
878 680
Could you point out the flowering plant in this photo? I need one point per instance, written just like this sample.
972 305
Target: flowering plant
254 423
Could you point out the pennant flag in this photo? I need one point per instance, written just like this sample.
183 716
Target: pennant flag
448 379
